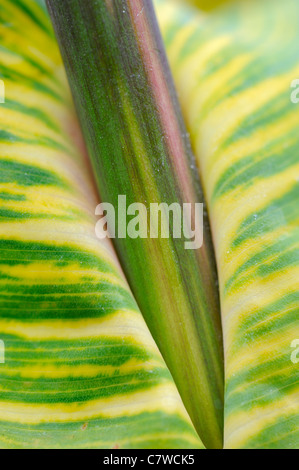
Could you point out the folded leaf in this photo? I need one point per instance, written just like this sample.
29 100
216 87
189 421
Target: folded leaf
81 368
233 71
138 144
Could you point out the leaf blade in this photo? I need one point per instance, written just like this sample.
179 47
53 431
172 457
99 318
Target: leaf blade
139 148
234 81
81 370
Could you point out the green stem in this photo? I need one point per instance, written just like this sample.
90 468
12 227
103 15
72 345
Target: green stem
139 147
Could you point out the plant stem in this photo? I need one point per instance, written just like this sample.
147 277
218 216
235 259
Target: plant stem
135 135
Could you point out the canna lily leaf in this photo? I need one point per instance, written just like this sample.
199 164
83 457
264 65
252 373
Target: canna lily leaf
139 148
81 368
233 70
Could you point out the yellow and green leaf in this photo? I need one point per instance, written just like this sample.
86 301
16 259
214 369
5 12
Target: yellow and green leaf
233 70
81 368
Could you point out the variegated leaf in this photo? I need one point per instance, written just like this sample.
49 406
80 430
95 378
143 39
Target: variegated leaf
233 70
81 368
